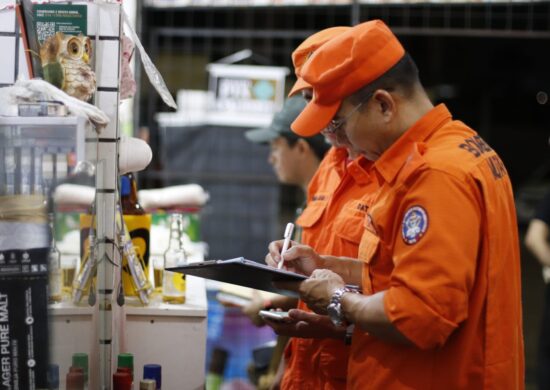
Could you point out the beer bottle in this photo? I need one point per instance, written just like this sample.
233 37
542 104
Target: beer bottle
138 223
173 283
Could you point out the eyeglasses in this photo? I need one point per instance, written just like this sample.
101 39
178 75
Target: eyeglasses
335 124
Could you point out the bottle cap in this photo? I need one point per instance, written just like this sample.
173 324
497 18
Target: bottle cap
126 360
75 380
122 381
124 186
153 371
148 384
81 360
53 376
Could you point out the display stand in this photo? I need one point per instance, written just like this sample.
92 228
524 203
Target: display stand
159 333
173 336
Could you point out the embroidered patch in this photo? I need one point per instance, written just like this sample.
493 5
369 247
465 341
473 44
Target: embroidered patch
415 224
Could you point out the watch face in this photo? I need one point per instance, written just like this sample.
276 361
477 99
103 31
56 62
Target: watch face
334 312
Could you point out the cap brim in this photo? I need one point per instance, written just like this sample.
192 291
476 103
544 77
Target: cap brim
314 118
261 136
298 86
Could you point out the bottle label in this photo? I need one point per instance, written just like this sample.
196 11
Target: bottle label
173 288
85 226
139 227
178 281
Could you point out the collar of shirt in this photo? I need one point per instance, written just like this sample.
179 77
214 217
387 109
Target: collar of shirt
391 161
359 170
338 159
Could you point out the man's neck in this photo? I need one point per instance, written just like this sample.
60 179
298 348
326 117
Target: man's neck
413 111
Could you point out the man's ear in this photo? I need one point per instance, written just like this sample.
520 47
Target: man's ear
302 145
385 104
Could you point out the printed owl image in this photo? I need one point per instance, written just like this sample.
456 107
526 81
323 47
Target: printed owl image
66 64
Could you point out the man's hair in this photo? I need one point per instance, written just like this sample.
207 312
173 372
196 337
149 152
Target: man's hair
402 78
317 143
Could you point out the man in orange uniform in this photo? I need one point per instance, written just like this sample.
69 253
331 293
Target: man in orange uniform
439 257
317 355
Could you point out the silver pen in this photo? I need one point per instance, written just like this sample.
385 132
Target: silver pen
288 234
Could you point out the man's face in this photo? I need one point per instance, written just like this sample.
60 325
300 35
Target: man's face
364 129
338 139
284 160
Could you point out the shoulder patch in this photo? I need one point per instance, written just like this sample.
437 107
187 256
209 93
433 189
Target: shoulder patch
415 224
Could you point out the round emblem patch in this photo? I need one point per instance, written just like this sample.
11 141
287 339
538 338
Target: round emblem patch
415 224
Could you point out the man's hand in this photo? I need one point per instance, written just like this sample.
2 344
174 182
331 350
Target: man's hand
307 325
319 288
299 258
252 309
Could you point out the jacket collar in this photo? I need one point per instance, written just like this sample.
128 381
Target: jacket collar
391 161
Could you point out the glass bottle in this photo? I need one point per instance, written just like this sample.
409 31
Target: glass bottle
173 283
54 264
138 224
83 279
129 197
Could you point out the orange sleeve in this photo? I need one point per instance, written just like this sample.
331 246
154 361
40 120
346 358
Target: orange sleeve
434 267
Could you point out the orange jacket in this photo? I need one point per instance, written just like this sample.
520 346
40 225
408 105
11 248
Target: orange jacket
441 240
332 223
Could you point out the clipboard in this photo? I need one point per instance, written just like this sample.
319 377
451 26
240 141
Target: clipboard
242 272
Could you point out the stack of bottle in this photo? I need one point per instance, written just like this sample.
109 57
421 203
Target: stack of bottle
123 378
133 226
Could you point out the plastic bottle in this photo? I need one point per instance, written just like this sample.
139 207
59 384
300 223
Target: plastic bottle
138 223
54 267
154 372
126 360
53 377
122 381
173 283
81 360
75 379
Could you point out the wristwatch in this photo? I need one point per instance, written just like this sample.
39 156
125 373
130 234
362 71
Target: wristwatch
334 309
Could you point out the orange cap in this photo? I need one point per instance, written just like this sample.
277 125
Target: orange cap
306 49
298 86
342 66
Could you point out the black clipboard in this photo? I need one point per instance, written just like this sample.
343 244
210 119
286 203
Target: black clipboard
242 272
